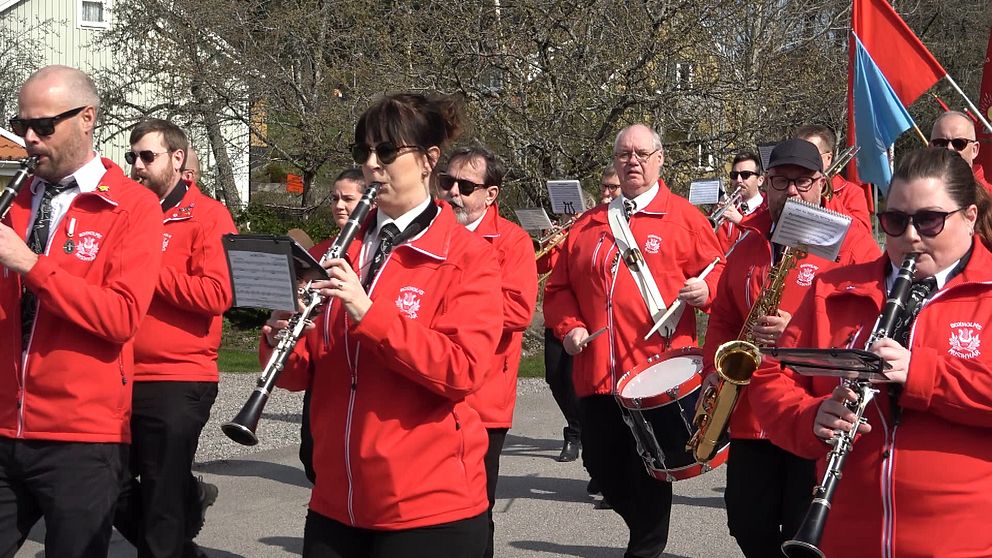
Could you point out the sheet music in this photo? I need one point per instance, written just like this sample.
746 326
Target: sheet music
702 192
566 196
819 230
765 153
533 218
262 280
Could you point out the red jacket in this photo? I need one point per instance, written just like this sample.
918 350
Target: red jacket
745 277
514 249
585 290
75 382
980 177
396 446
849 199
179 338
924 487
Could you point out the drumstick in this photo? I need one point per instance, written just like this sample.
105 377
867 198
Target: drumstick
678 302
593 335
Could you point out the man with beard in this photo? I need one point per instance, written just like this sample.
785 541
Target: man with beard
175 353
593 288
71 299
471 185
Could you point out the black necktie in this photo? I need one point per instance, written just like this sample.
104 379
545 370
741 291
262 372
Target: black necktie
387 236
37 241
629 206
918 293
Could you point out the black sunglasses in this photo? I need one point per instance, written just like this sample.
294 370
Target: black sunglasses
746 175
387 152
465 187
957 143
42 126
147 156
927 222
803 183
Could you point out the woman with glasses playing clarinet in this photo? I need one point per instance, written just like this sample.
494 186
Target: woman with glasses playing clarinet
407 332
918 481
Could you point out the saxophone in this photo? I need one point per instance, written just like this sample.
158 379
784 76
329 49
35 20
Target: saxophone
735 361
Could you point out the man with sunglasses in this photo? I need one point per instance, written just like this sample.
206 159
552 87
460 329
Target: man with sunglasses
845 196
175 351
956 131
745 172
593 289
71 299
471 185
768 489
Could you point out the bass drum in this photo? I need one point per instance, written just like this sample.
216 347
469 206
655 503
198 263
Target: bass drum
659 399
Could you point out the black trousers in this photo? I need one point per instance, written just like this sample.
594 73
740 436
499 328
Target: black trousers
609 454
497 437
159 502
73 486
325 538
768 492
558 374
306 440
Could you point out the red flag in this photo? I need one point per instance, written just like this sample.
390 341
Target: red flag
943 105
984 104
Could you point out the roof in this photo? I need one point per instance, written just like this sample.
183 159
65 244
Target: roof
11 146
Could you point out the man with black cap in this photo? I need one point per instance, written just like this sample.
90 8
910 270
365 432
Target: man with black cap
768 489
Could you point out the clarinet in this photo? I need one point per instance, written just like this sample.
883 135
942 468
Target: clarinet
805 544
242 428
10 190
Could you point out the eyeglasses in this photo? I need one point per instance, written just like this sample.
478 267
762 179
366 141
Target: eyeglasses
802 183
958 143
465 187
641 156
387 151
146 156
42 126
610 187
744 175
927 222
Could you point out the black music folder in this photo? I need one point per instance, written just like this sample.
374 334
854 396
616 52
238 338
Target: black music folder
266 269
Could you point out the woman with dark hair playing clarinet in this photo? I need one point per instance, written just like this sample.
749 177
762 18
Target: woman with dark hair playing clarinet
408 331
918 479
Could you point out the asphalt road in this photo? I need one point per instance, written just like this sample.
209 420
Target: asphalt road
542 509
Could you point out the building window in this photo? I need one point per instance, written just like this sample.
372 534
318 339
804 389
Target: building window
94 13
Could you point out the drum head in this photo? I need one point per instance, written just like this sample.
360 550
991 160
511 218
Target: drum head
675 375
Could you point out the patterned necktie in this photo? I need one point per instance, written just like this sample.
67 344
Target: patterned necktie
37 241
918 293
387 236
629 206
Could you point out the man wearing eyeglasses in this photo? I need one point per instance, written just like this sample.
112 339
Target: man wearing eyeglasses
745 174
592 289
175 351
609 186
768 489
956 130
845 196
80 252
471 185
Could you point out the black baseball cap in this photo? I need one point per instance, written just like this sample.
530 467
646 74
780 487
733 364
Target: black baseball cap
797 152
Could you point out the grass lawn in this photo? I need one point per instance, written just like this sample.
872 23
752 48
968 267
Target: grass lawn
233 360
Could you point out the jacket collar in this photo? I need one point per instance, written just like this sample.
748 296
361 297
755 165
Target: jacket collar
434 243
184 209
489 226
658 207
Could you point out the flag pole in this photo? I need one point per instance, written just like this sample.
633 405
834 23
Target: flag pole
971 105
920 134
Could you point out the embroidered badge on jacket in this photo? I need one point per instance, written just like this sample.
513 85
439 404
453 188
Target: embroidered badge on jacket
805 274
965 339
165 240
408 301
89 245
653 244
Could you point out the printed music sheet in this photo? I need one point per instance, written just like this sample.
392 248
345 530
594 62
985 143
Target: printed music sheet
533 218
265 270
566 196
703 192
818 230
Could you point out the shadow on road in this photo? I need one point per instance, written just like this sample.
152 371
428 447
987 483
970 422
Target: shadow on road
542 488
261 469
531 447
576 550
289 544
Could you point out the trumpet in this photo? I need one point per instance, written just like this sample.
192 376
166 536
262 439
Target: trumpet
10 190
734 200
242 428
805 544
843 158
557 235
